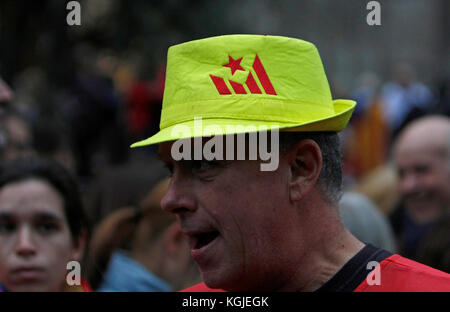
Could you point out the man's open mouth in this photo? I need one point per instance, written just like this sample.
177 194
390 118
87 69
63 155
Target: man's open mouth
199 240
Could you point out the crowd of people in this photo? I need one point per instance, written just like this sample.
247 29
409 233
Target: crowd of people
71 189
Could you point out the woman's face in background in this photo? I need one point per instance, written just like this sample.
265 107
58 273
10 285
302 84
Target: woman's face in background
35 240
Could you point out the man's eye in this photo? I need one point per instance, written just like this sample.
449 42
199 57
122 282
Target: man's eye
7 227
202 165
199 166
207 166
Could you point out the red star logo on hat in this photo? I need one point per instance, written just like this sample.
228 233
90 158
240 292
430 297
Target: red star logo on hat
234 64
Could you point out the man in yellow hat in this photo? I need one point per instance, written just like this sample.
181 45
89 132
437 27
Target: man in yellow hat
249 132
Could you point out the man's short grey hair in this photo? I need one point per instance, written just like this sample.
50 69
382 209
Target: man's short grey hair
330 178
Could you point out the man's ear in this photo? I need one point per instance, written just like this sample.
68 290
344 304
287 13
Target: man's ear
305 163
79 245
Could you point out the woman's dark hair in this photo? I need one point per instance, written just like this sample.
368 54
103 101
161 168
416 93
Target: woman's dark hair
57 176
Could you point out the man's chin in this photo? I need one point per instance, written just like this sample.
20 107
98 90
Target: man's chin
423 212
215 280
212 280
225 283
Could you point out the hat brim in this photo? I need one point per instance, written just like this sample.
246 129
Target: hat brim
217 126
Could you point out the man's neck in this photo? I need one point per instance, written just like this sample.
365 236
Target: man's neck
321 264
329 262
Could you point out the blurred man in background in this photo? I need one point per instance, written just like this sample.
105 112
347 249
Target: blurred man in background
16 135
422 156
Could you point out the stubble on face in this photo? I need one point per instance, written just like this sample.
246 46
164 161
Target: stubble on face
242 202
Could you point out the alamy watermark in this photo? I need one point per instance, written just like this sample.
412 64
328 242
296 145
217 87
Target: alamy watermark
374 277
215 148
374 16
74 16
73 277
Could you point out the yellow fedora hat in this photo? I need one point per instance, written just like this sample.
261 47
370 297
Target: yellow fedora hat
234 83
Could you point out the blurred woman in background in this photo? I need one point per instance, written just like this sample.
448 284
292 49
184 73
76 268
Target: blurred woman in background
141 249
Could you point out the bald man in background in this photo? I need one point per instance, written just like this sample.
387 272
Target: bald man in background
422 157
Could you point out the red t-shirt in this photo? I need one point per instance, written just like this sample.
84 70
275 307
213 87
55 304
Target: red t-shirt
402 274
395 274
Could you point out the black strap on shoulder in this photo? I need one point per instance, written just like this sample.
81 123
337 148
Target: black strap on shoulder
355 271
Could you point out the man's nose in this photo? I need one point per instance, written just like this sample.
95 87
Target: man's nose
408 184
179 198
25 246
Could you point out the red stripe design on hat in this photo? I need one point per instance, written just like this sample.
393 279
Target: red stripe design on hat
251 84
237 87
262 75
220 85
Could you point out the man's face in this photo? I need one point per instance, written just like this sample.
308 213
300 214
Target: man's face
19 139
424 177
35 240
231 212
